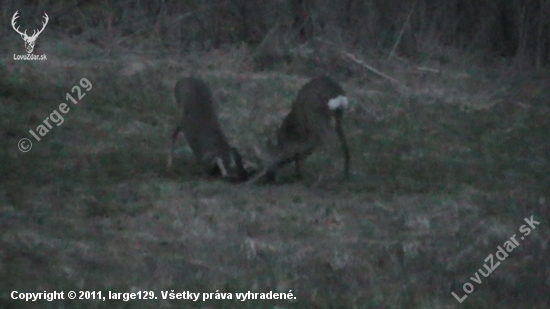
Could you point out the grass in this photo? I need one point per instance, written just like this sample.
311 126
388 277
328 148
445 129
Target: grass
440 177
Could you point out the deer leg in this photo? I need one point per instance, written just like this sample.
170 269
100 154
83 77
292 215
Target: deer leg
344 144
172 146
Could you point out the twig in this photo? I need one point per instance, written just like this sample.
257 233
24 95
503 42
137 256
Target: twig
268 36
426 69
182 17
401 32
157 21
261 174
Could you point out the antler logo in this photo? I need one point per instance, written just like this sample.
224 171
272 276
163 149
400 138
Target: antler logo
29 40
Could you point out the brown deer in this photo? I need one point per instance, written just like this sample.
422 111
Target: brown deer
306 127
200 124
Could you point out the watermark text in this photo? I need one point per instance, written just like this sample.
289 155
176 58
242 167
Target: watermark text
55 116
501 254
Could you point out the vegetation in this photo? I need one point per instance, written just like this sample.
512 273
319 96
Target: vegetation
448 131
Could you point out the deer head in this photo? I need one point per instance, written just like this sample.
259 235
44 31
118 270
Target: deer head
29 40
198 120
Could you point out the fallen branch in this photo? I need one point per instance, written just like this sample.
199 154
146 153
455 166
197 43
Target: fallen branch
361 63
368 67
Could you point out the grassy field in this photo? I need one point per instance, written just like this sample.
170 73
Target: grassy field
443 172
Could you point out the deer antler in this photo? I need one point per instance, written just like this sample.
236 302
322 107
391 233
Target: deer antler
43 25
276 157
261 156
13 24
24 34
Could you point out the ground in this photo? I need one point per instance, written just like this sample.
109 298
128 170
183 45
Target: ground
446 167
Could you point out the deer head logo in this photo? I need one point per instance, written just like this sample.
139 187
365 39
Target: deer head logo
29 40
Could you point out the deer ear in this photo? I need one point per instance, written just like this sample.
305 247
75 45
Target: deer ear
220 165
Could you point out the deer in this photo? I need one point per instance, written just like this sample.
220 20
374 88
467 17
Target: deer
306 127
29 40
198 119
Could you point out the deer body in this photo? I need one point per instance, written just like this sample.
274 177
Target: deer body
307 126
200 124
